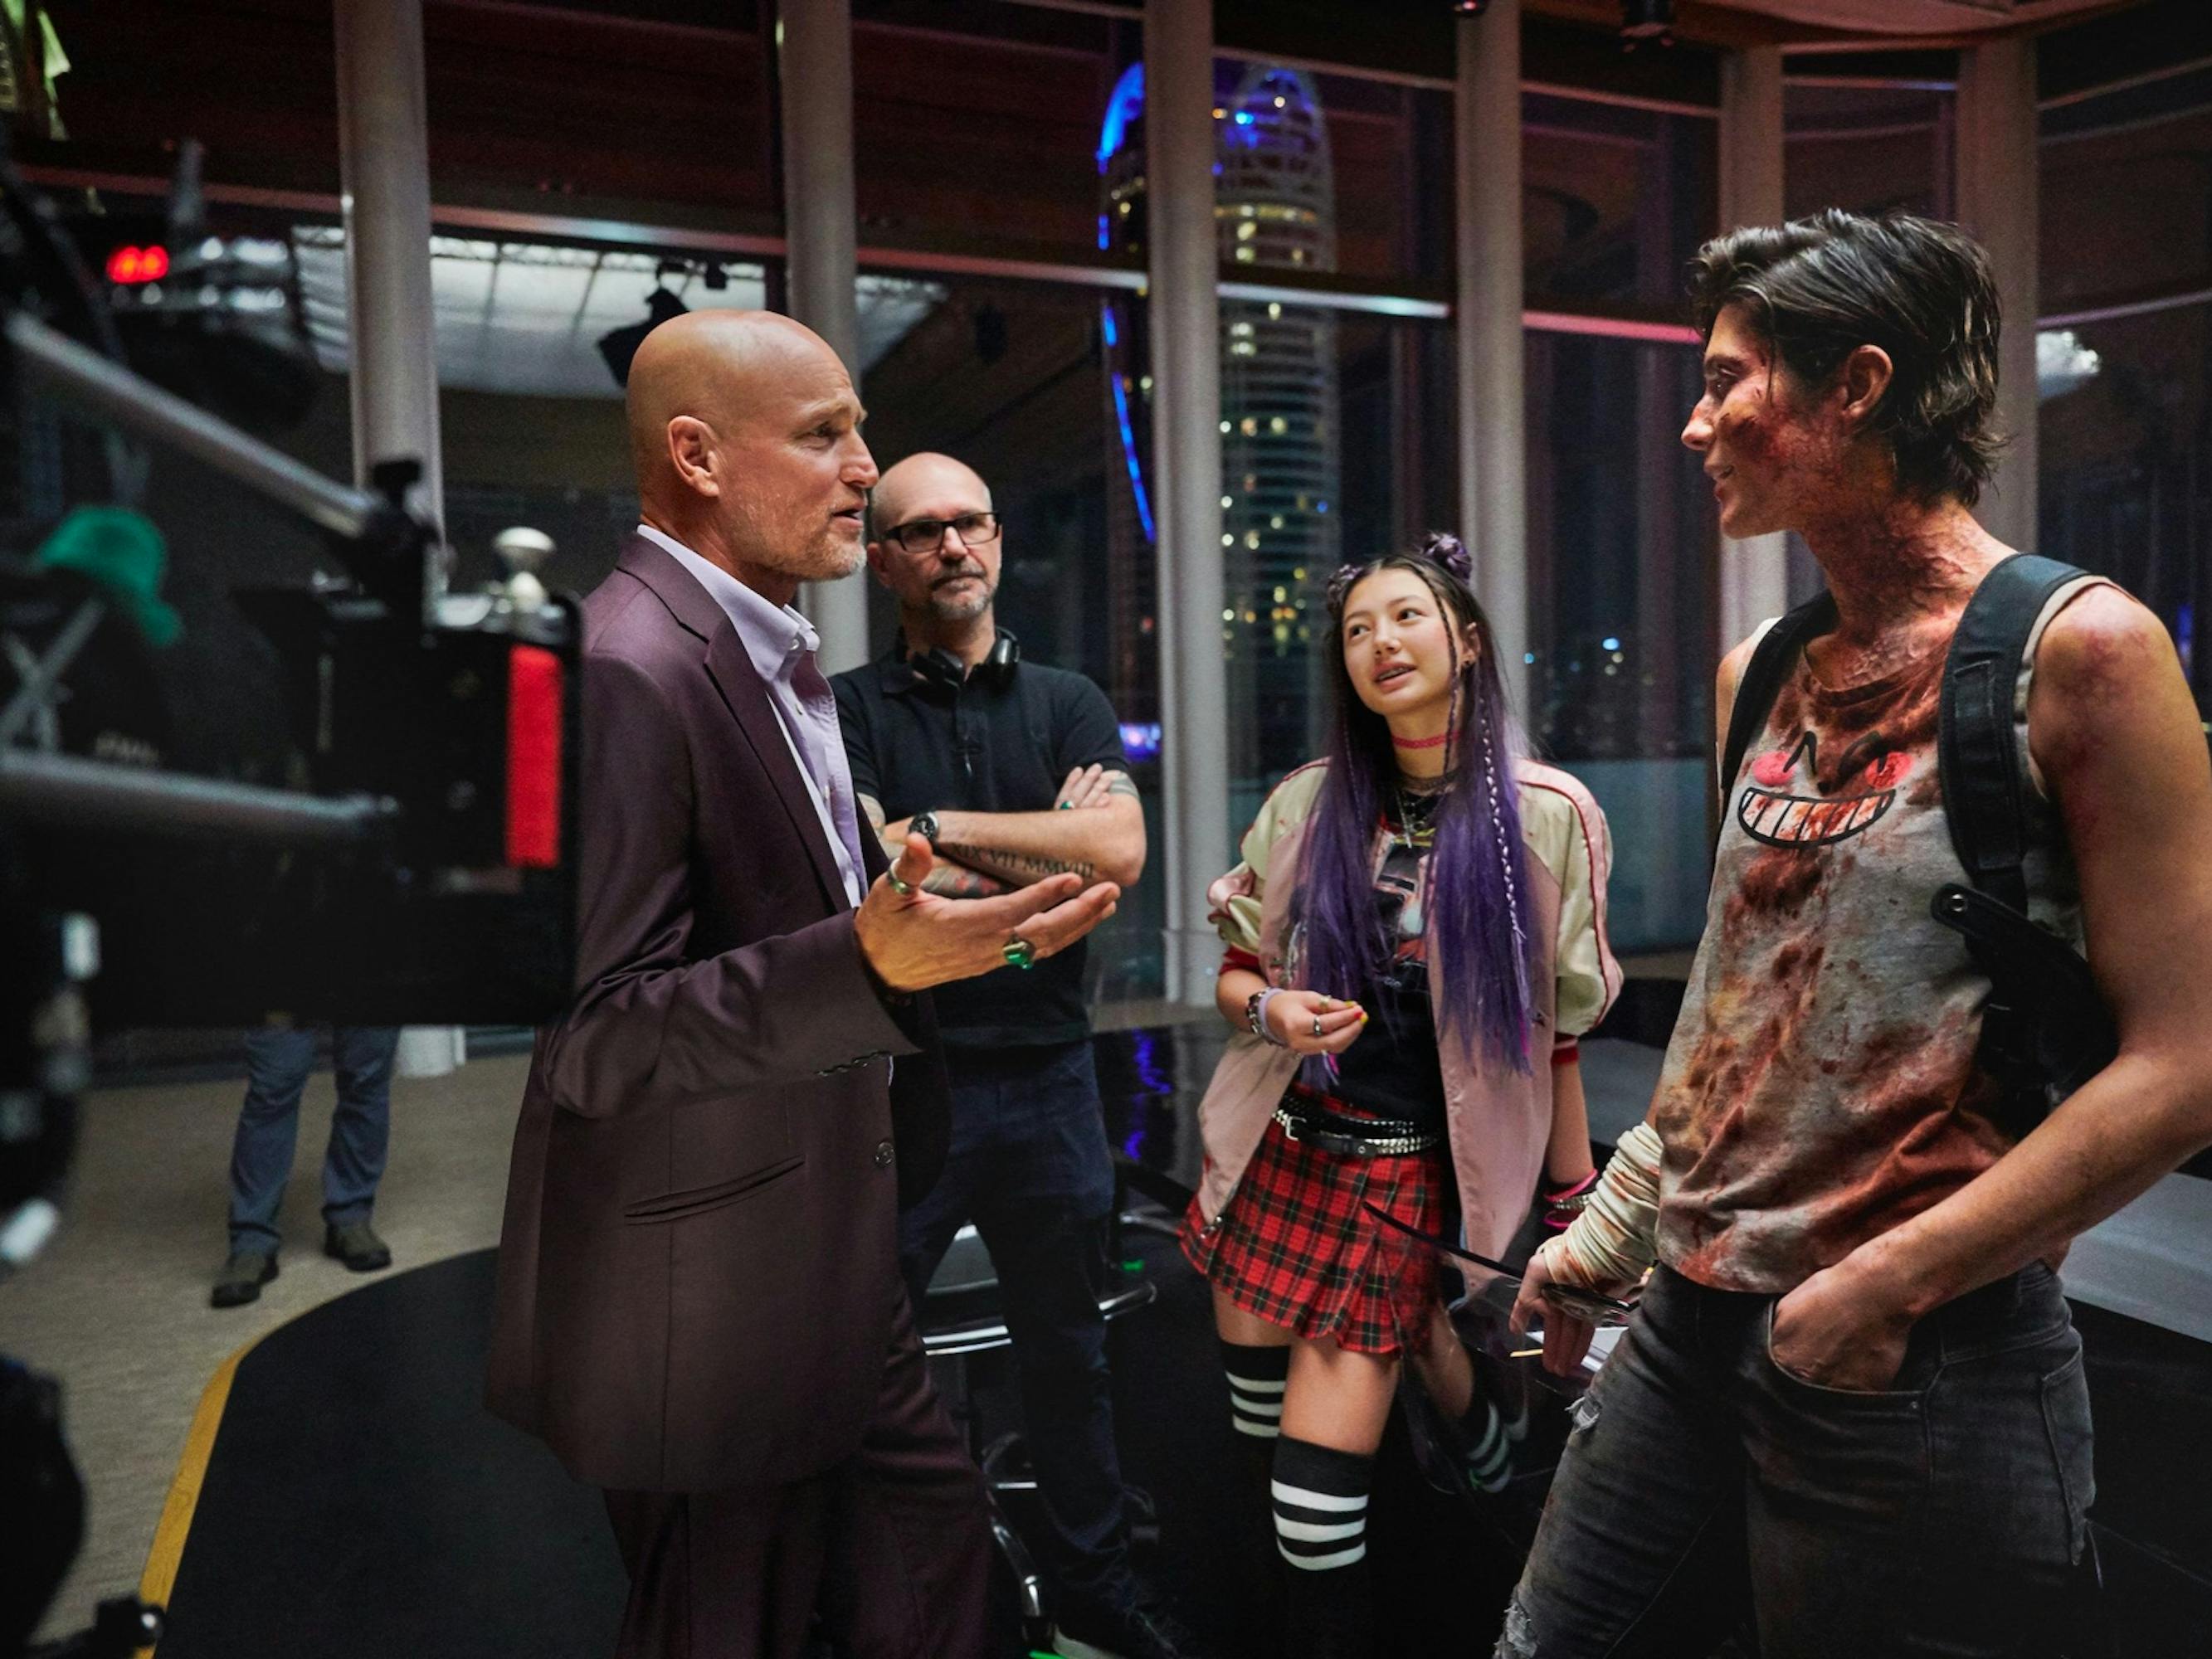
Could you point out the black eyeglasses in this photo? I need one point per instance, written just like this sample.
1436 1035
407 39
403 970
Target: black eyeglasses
927 535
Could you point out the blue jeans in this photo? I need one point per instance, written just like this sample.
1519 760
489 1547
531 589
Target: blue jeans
1030 1166
277 1068
1944 1514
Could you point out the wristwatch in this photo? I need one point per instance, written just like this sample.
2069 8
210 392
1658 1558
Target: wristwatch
925 825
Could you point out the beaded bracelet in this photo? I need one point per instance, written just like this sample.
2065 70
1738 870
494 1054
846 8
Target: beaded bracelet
1256 1016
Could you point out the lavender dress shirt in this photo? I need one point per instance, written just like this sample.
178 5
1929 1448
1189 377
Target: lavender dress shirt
782 644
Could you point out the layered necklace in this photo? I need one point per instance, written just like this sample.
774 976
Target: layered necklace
1415 819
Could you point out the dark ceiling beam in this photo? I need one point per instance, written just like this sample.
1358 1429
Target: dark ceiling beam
2140 44
1415 38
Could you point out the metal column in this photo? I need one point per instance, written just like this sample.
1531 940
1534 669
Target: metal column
1185 320
814 68
384 172
1754 572
1493 459
1997 184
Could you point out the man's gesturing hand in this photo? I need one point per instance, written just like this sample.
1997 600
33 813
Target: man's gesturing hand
919 939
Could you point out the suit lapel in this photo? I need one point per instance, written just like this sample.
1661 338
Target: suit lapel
744 695
747 698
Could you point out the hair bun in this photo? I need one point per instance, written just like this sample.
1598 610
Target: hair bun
1448 551
1340 585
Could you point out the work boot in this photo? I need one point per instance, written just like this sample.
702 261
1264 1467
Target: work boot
242 1278
355 1243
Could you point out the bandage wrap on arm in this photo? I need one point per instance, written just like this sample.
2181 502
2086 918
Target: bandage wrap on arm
1612 1243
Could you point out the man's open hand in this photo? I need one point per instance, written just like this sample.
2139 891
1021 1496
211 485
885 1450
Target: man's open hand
919 939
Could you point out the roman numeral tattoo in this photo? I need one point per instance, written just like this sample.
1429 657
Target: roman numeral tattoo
1028 864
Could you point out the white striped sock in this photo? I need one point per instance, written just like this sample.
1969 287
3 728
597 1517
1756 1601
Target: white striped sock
1305 1498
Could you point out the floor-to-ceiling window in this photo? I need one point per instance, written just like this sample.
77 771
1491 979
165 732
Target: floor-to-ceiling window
2124 359
1621 537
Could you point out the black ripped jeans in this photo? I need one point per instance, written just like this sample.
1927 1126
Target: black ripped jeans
1944 1516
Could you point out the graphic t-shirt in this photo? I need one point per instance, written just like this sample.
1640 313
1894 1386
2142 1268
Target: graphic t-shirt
1822 1085
1392 1068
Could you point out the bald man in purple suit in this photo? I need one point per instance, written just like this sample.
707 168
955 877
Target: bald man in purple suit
699 1303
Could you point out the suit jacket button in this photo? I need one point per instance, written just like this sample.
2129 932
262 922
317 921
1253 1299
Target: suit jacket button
882 1155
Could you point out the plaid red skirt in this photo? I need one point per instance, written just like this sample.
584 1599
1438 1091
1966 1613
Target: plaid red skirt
1295 1244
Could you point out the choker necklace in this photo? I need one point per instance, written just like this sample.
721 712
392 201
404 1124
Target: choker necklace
1436 742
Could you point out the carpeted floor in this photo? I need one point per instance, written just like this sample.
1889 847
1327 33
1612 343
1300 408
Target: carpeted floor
116 1306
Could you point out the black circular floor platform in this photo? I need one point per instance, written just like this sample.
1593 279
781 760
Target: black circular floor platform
360 1501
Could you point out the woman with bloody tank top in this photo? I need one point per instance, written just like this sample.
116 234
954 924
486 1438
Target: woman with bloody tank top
1853 1373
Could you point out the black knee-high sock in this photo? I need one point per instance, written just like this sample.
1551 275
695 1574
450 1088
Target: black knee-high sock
1320 1531
1488 1443
1257 1377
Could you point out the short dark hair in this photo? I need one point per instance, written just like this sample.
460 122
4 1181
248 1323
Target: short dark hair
1815 289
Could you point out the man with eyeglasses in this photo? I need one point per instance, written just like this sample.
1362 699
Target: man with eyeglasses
1012 770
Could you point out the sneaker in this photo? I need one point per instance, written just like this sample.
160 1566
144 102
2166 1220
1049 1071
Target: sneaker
355 1243
1130 1626
242 1278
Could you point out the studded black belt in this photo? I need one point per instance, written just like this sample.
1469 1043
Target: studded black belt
1349 1137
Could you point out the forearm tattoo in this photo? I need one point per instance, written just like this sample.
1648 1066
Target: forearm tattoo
957 881
1029 866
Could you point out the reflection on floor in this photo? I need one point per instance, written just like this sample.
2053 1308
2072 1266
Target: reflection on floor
359 1500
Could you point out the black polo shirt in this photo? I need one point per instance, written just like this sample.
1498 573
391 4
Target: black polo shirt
987 745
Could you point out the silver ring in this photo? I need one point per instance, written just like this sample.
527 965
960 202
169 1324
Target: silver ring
903 889
1316 1024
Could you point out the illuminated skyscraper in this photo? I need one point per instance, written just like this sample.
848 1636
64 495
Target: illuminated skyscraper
1275 207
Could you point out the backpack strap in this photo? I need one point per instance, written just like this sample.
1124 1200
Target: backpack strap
1984 776
1773 661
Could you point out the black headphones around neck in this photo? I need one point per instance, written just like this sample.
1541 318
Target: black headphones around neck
941 667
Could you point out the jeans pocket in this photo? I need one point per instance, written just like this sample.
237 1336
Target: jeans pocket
1804 1389
2073 1445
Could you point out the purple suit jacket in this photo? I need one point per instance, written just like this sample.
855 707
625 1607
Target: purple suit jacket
697 1273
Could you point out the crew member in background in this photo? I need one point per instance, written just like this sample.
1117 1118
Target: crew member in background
277 1062
1013 771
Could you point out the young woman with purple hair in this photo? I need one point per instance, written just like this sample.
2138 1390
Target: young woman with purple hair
1416 937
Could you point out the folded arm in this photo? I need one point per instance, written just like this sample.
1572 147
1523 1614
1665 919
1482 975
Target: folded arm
1102 843
948 876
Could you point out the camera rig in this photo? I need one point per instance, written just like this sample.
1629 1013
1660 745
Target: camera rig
420 866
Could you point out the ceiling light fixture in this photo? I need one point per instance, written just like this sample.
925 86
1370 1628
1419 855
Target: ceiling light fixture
619 345
1646 20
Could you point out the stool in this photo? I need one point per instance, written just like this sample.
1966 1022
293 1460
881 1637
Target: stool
961 1316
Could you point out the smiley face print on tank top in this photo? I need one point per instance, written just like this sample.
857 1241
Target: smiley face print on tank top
1784 804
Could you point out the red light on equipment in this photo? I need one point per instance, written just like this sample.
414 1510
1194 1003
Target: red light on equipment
138 264
534 758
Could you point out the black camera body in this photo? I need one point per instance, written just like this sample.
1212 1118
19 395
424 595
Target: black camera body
456 906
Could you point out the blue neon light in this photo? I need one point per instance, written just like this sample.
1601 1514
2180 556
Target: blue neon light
1122 108
1140 739
1102 230
1146 1063
1610 642
1128 433
1243 118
